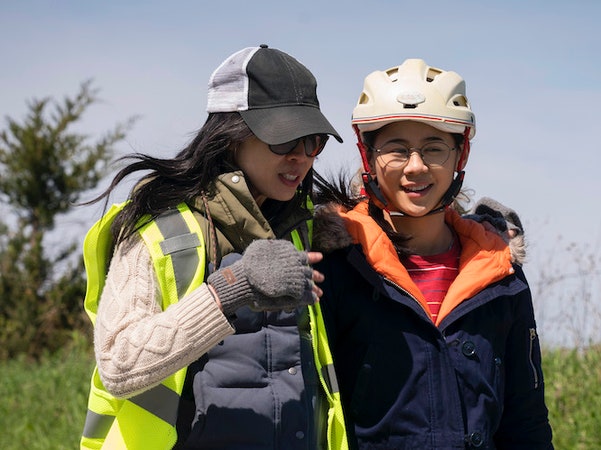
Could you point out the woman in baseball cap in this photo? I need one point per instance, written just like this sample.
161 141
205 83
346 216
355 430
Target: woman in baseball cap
206 330
429 314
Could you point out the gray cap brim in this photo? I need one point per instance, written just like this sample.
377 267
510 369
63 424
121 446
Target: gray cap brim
277 125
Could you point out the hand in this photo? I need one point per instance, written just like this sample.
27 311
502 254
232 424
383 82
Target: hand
507 235
315 257
271 275
503 221
499 215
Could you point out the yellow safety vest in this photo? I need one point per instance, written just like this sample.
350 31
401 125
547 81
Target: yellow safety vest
147 421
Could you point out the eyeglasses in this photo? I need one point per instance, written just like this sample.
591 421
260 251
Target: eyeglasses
396 155
314 144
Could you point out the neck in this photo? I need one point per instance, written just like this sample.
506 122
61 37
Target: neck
429 235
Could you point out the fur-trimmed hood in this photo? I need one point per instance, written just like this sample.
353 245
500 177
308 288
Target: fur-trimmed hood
330 232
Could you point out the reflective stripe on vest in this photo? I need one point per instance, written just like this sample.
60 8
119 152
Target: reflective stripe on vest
176 247
324 364
148 420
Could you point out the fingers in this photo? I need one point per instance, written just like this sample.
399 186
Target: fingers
506 235
318 277
314 257
317 292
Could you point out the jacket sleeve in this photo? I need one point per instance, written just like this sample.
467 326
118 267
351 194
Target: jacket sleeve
136 344
524 424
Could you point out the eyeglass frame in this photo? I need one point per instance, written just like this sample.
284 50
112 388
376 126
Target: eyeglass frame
315 148
418 150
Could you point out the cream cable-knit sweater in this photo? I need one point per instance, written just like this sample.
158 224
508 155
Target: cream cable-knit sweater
136 344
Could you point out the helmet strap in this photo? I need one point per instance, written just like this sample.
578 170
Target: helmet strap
453 190
369 184
373 191
465 151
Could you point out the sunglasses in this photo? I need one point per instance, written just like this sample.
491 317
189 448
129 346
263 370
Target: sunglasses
314 144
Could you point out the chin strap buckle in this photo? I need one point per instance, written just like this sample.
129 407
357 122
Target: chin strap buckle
373 191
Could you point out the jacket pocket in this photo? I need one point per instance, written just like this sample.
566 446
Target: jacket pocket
534 357
499 378
378 384
362 386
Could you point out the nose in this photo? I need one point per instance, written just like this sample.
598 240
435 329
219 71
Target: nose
415 163
297 152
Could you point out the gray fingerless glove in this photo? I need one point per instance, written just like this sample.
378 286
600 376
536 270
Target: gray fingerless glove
272 275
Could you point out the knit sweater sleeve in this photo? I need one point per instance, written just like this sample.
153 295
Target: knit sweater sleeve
137 345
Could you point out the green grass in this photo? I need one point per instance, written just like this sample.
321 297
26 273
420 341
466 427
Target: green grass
573 396
43 404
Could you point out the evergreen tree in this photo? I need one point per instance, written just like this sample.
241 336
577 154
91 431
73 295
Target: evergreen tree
45 167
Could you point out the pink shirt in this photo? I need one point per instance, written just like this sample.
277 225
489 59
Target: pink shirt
434 274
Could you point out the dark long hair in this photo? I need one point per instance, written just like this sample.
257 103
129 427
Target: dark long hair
341 189
190 173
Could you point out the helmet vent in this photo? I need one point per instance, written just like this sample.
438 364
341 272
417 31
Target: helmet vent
432 73
460 100
393 74
414 91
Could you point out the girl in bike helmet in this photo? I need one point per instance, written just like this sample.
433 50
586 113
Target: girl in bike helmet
429 314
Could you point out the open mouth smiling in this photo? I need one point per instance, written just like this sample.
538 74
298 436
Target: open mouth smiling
416 188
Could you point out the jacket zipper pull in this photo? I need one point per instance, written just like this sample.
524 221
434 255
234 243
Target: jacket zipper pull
534 372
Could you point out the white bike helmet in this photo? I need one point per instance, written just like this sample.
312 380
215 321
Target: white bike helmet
414 91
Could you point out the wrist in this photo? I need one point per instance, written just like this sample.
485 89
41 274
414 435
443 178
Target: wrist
231 288
215 296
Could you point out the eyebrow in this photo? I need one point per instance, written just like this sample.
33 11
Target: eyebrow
406 142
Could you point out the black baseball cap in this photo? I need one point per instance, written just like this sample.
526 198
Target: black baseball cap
274 93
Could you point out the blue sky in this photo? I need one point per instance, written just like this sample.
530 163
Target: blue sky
532 69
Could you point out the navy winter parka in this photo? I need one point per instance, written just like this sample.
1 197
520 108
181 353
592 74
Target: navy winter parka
471 380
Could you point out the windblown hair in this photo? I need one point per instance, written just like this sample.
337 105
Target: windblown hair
342 191
192 172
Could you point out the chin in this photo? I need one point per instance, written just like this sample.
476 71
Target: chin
283 197
412 210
